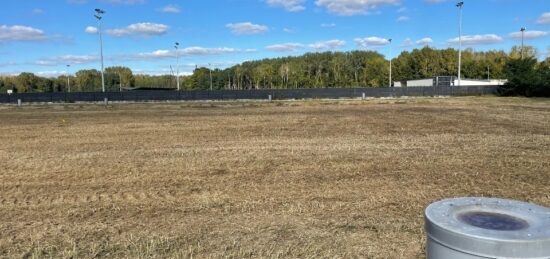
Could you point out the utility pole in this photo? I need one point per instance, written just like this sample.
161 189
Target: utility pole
99 16
390 62
177 45
522 37
459 5
68 79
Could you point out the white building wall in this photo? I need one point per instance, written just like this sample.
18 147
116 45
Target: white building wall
464 82
421 82
470 82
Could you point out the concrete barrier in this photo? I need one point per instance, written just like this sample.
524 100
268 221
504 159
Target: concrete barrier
468 228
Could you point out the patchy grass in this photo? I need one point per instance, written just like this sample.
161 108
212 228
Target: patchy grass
313 179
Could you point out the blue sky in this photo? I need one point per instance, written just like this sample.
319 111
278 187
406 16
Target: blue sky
44 36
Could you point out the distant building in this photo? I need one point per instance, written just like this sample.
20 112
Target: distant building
442 81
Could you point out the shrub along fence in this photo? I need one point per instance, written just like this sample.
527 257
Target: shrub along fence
283 94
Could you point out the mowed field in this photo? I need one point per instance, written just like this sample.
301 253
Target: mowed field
311 179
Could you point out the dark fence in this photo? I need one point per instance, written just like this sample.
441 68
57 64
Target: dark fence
143 96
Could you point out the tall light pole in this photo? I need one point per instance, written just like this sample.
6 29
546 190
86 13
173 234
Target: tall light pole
210 69
522 37
459 5
176 46
99 16
390 62
119 82
68 79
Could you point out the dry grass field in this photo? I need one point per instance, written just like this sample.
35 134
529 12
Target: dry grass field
312 179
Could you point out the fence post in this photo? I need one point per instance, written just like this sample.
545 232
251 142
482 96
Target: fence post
19 103
270 98
106 101
364 96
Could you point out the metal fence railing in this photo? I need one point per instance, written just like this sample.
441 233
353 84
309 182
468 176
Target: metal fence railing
143 96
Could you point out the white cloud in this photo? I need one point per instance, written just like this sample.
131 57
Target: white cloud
126 2
217 64
140 29
544 19
434 1
51 74
44 63
8 64
403 18
67 59
407 43
91 29
371 42
9 73
328 25
77 1
352 7
285 47
246 28
20 33
424 41
529 34
37 11
170 9
477 40
288 30
155 55
402 10
289 5
329 44
190 51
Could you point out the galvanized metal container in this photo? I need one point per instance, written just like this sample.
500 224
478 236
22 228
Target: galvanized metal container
467 228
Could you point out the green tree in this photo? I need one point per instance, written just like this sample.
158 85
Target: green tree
88 80
117 77
522 77
26 82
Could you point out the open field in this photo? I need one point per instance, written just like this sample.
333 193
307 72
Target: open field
314 179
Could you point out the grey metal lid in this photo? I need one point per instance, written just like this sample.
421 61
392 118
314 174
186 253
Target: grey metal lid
490 227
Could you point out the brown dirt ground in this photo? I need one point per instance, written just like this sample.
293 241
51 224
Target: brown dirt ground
312 179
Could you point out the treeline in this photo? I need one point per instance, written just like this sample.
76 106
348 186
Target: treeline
527 77
355 69
312 70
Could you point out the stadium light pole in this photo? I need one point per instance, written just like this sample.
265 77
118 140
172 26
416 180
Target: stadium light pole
459 5
176 46
68 79
390 40
210 69
119 82
99 16
522 37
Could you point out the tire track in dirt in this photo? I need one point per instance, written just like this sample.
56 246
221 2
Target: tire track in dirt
21 200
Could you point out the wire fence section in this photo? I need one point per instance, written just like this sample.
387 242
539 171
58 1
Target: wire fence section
260 94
